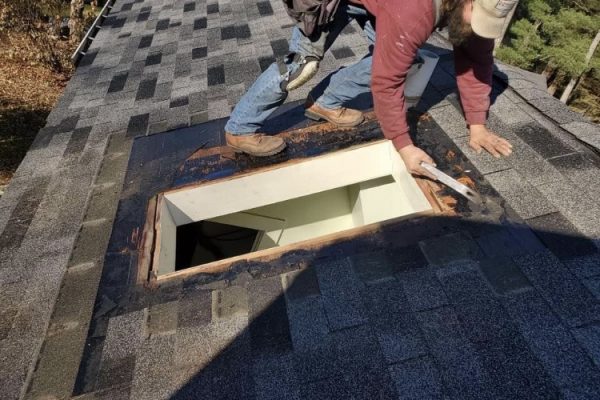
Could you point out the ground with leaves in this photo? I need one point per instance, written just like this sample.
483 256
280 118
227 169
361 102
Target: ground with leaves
28 91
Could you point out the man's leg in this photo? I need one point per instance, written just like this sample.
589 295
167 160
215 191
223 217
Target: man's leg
354 80
271 88
268 92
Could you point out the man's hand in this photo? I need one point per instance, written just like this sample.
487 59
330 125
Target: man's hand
413 156
482 138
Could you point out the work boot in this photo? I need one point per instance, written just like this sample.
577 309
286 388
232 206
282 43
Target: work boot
257 144
342 116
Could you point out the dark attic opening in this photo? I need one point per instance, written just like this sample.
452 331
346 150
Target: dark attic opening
205 241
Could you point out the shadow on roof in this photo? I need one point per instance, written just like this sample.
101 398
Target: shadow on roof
429 308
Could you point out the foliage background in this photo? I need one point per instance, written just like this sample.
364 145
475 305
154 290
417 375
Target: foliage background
35 50
553 37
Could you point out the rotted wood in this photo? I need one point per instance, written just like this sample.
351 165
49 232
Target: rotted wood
146 245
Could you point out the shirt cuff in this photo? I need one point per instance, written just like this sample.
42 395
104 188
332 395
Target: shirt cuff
402 141
476 117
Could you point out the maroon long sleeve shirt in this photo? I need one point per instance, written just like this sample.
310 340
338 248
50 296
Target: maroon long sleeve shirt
402 26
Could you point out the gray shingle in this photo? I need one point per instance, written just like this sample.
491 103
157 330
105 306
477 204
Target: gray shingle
556 110
389 314
308 324
577 206
341 298
525 199
528 163
589 338
510 113
450 120
417 379
194 308
580 171
584 266
503 275
275 378
327 388
300 284
585 131
153 374
423 290
508 241
561 289
314 351
542 141
551 342
515 370
269 327
362 364
562 238
198 346
462 372
372 267
480 314
450 248
229 302
484 162
593 284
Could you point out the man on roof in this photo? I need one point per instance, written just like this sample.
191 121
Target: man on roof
395 29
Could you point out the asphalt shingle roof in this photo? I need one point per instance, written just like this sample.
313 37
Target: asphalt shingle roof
500 302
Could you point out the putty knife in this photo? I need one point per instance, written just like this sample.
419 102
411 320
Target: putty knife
467 192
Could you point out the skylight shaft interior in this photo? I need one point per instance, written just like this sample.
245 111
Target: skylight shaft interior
297 201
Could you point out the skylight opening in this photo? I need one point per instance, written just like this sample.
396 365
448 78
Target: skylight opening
291 205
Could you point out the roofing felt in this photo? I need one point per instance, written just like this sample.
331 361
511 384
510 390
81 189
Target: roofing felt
502 302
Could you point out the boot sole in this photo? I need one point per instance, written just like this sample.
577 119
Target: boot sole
307 73
259 154
318 117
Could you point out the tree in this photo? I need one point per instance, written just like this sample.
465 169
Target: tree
526 45
76 20
555 37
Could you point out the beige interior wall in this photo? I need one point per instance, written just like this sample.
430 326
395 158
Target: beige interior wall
317 197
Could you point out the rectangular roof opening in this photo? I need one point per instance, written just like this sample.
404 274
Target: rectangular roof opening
282 207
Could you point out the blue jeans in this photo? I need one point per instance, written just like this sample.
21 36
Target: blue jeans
265 95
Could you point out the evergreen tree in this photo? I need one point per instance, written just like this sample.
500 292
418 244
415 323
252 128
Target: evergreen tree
555 37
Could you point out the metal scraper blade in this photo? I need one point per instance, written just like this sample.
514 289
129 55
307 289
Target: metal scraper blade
464 190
